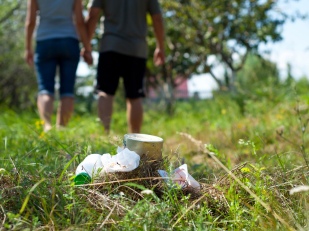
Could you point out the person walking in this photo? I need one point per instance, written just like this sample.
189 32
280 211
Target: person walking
58 32
123 53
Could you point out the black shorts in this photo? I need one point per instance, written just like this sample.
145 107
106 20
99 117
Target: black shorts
113 65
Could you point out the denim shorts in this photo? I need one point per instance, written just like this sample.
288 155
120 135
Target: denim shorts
113 65
61 53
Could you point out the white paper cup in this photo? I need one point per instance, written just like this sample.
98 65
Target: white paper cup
144 144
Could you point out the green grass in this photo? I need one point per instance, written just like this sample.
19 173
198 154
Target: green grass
264 145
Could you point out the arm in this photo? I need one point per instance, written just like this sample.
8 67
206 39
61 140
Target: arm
94 15
82 31
159 54
30 24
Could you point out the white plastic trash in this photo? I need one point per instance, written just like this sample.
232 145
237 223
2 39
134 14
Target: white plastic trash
92 165
96 164
124 161
181 177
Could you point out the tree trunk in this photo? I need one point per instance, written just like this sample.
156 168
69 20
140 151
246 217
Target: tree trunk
231 86
168 91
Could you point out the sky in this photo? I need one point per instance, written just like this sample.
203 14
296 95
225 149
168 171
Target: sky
293 49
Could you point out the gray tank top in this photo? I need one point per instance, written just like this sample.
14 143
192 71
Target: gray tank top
55 19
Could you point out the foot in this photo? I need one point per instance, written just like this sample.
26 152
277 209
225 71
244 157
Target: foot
47 127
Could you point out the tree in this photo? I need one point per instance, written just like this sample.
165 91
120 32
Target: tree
202 34
258 80
17 80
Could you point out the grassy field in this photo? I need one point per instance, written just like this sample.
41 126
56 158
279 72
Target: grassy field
247 155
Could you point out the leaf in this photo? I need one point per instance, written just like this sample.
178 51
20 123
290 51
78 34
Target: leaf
29 194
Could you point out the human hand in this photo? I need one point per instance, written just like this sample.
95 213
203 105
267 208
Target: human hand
29 57
159 57
87 56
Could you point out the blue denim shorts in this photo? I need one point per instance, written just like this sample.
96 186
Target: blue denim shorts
61 53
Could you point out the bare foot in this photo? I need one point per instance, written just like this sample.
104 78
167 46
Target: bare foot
47 127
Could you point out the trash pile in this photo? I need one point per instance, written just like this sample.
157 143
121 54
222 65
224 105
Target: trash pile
96 165
129 162
138 169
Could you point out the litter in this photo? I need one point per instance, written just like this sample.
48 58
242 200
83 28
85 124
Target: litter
180 177
91 165
96 164
127 160
144 144
124 161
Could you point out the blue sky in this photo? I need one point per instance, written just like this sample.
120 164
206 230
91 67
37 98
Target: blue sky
294 48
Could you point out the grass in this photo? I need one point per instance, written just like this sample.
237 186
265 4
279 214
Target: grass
246 159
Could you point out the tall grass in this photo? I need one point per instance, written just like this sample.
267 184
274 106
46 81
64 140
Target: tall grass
246 156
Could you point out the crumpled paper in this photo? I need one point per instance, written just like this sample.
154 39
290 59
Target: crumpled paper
181 177
124 161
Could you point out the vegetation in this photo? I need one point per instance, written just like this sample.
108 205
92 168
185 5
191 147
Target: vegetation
264 144
204 34
248 149
17 82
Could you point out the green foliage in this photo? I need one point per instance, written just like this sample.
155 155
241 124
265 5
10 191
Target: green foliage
226 30
260 135
265 149
257 73
17 80
258 82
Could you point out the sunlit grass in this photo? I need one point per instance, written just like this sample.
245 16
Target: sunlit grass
265 147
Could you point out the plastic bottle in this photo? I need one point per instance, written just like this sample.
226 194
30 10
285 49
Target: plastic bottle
88 169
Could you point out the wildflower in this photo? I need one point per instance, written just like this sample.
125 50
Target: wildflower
245 170
39 123
42 135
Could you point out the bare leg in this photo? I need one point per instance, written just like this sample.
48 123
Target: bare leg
105 109
45 105
65 111
135 115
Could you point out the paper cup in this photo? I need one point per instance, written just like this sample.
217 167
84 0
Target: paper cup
143 144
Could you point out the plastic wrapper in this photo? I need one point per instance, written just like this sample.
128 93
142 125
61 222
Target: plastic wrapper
123 161
181 177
